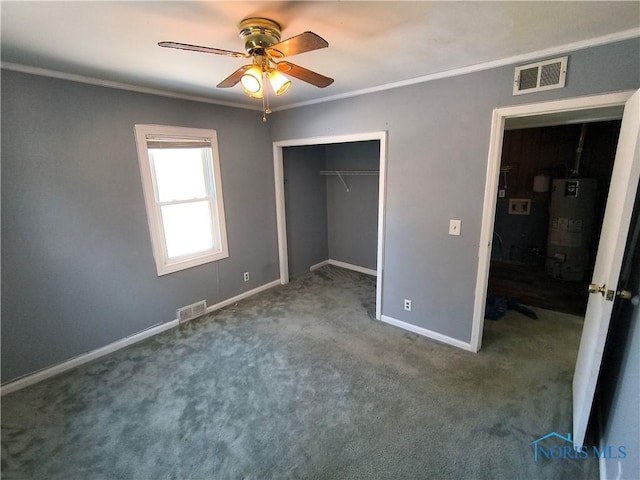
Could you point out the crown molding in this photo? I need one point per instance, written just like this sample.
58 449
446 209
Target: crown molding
548 52
44 72
562 49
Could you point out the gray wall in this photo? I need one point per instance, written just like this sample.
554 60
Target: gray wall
623 426
619 379
438 141
77 267
353 216
306 207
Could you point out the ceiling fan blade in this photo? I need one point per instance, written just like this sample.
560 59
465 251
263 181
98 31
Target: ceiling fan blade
303 74
305 42
234 78
197 48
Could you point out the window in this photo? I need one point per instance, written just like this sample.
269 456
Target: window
180 172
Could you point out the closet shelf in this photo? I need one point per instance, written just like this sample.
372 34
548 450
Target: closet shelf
346 173
349 172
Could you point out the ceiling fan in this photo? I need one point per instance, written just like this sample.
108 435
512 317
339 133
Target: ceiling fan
263 46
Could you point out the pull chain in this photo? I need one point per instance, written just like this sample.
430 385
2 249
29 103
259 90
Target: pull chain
265 98
266 94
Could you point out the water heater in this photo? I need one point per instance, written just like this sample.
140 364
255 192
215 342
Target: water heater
572 213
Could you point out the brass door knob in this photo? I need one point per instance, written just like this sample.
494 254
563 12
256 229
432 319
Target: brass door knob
624 294
594 288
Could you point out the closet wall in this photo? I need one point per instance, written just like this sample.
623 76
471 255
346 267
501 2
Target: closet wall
305 197
352 217
324 220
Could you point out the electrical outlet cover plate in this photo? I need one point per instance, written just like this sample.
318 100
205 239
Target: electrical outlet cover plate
519 206
407 305
454 227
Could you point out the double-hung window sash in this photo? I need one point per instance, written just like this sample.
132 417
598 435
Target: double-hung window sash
186 215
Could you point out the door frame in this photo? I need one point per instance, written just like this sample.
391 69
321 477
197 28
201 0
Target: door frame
578 105
278 167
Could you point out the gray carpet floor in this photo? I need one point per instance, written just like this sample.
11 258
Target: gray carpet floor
301 382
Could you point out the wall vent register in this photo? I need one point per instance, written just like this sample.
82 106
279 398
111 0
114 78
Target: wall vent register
192 311
540 76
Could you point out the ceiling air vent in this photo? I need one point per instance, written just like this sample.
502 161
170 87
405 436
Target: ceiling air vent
540 76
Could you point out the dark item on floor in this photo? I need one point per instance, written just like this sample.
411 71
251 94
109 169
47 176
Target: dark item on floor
529 285
497 307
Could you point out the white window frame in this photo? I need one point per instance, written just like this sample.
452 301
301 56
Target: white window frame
164 264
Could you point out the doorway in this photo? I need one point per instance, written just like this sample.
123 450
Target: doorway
281 214
571 111
543 254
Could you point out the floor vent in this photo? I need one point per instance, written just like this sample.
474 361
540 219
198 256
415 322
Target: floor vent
192 311
540 76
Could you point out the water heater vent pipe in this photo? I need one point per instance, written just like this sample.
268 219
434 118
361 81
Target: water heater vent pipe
576 165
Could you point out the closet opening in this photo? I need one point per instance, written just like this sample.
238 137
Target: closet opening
330 198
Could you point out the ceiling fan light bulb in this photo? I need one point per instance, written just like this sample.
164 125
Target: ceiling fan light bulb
252 82
279 82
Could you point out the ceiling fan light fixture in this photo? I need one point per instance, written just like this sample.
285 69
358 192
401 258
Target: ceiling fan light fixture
279 82
252 81
263 45
259 33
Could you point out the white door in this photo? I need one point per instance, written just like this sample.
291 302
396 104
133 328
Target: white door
615 227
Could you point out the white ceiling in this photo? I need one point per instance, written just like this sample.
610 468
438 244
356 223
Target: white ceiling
372 45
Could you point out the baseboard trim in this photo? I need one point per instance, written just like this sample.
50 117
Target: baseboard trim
427 333
48 372
348 266
40 375
318 265
242 296
602 465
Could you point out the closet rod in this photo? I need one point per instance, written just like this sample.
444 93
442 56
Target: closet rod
349 172
343 173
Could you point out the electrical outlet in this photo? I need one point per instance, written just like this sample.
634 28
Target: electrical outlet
245 276
407 305
454 227
501 193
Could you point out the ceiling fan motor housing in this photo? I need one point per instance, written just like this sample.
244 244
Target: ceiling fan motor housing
259 33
